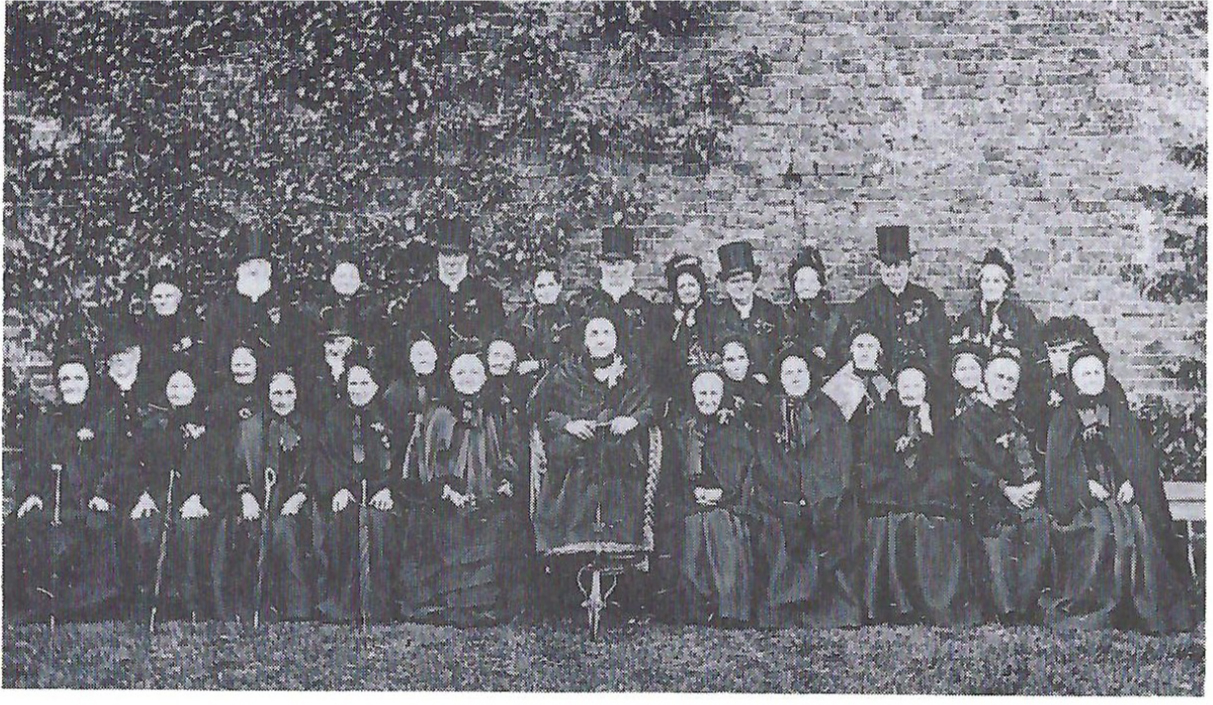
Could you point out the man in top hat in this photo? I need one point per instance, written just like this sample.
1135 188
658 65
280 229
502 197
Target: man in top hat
615 297
453 303
907 318
744 314
255 312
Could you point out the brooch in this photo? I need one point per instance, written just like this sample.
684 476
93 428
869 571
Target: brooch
193 430
915 313
1054 398
184 344
378 426
85 434
1005 439
245 413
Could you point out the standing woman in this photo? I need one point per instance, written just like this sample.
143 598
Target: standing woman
714 460
471 480
353 491
810 546
746 393
680 331
542 328
916 569
968 367
810 320
1117 560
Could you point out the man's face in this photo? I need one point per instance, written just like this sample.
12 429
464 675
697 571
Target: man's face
1002 379
1090 377
912 387
423 357
467 374
336 347
617 274
244 366
736 361
73 382
895 275
600 338
180 389
253 273
452 266
546 288
283 394
794 376
346 278
689 290
966 371
501 357
865 351
166 298
708 389
740 287
1059 357
806 284
360 386
124 364
994 283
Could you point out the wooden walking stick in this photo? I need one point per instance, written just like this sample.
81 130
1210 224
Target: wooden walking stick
364 557
164 529
271 478
56 537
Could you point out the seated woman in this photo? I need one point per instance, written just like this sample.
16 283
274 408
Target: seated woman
714 460
471 481
861 385
915 568
746 393
968 366
808 528
353 492
1003 487
61 554
1117 561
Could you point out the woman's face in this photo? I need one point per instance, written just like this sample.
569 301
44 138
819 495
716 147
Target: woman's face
180 389
865 351
283 394
1090 377
600 338
794 376
1059 357
501 357
1002 379
708 389
467 374
124 364
736 361
346 278
166 298
912 387
689 290
453 266
73 382
423 357
994 282
806 284
337 347
966 371
360 385
244 366
547 288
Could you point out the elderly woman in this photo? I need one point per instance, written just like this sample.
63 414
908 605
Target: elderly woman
679 331
472 484
1003 495
861 385
714 460
915 567
61 553
809 529
810 319
1117 561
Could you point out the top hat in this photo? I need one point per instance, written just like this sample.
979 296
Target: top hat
252 241
618 243
678 265
453 235
737 257
893 243
808 256
543 262
997 257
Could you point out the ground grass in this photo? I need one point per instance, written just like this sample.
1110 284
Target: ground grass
651 657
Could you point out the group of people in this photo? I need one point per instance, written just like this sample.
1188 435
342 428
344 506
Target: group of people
442 461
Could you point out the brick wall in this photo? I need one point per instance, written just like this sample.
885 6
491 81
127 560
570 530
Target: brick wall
1028 125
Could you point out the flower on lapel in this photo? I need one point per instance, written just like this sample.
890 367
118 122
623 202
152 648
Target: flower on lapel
1005 439
725 415
193 430
85 434
245 413
185 343
275 315
915 312
1054 398
378 426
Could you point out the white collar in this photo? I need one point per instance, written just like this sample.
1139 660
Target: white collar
745 311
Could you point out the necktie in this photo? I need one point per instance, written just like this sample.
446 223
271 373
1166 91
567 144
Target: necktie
359 448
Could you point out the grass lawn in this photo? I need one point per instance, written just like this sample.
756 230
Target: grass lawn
560 656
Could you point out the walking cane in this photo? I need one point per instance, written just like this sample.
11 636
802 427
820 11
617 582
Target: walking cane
364 557
271 478
56 531
164 529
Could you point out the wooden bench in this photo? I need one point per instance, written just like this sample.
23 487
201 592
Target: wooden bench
1187 501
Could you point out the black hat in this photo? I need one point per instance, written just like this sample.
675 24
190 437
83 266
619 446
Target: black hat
618 243
1064 330
893 243
466 345
860 326
705 363
164 269
545 263
916 360
808 256
1088 349
678 265
68 351
966 342
453 235
252 241
997 257
361 356
335 321
1006 352
120 335
344 252
737 257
